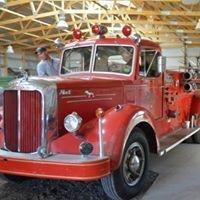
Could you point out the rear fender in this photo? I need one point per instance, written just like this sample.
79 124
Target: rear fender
195 106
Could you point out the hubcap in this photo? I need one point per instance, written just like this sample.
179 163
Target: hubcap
133 164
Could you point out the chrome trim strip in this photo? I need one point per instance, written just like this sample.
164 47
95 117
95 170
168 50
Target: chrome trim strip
43 139
85 100
18 119
59 158
83 96
102 95
101 142
162 152
71 97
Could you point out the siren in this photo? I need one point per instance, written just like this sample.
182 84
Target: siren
77 34
99 30
137 38
127 30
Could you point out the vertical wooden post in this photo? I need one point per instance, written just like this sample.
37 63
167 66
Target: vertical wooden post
185 53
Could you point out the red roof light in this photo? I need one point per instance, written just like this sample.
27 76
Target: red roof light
99 30
126 30
96 29
77 34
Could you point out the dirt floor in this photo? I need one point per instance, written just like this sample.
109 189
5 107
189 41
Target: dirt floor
62 190
51 190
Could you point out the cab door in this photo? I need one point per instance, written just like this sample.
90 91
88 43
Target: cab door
149 83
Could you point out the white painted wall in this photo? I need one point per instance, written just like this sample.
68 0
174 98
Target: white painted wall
175 57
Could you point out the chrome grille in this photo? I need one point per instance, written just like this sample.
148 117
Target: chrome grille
22 120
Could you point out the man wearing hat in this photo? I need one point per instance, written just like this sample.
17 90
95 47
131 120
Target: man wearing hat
48 66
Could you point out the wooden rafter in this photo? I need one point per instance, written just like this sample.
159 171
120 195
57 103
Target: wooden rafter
156 19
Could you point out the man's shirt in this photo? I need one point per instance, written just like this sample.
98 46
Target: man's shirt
48 67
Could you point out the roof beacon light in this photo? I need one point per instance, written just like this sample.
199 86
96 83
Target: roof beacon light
77 34
99 30
126 30
96 29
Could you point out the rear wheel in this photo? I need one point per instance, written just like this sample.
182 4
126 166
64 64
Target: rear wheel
196 137
190 140
129 179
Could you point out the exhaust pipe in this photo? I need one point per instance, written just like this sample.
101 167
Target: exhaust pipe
188 87
188 76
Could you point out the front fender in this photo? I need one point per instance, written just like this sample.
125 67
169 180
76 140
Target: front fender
117 127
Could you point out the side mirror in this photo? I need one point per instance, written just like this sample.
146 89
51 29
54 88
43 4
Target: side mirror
161 64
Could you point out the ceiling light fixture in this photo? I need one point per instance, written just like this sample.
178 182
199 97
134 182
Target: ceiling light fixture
188 42
173 22
10 49
126 3
179 30
165 12
188 2
2 3
62 24
198 25
105 2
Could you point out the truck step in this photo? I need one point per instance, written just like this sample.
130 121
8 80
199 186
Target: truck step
173 139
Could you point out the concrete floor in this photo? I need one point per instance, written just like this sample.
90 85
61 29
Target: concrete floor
179 179
179 174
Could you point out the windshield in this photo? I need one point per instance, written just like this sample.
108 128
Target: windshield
116 59
76 60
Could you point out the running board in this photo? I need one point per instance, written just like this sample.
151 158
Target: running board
170 141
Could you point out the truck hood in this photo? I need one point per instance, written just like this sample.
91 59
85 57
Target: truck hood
83 81
82 94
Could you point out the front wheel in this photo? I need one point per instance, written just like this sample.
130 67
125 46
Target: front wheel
129 179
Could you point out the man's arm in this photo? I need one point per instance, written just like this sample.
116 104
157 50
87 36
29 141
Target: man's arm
41 70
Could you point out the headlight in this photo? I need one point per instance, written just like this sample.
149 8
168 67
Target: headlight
72 122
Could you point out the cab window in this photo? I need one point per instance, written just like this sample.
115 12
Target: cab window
76 60
149 63
117 59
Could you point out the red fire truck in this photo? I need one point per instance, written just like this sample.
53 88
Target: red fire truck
112 105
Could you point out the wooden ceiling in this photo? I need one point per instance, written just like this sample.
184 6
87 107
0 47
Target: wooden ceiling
27 24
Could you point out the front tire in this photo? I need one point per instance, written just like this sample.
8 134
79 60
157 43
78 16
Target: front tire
130 177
